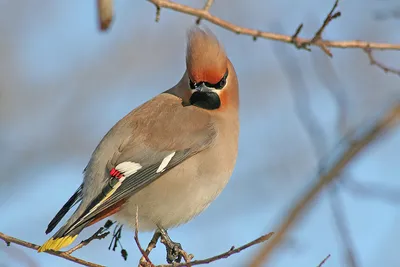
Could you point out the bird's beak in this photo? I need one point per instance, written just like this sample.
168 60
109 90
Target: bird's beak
202 88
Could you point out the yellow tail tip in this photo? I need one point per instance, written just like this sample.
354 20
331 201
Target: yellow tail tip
57 243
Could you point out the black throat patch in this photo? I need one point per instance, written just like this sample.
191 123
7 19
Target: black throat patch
206 100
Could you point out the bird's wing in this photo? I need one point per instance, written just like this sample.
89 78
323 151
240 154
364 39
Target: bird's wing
74 199
159 142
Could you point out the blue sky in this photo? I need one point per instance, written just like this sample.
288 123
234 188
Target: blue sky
64 84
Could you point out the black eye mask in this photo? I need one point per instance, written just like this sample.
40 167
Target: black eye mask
219 85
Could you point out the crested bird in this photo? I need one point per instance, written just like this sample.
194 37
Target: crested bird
169 158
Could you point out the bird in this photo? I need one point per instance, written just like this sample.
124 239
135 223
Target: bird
167 159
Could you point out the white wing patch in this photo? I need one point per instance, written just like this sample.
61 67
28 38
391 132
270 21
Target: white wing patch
128 168
165 162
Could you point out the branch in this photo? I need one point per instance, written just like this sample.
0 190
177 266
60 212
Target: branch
206 8
390 119
10 239
104 13
136 237
100 234
224 255
374 190
301 99
297 41
324 260
373 61
341 225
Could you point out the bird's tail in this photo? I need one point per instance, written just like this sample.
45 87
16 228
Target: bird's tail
61 239
78 221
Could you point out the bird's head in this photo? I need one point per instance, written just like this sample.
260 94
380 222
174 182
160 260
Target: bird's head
211 76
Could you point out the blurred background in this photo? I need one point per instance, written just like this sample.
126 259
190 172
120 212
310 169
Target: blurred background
63 84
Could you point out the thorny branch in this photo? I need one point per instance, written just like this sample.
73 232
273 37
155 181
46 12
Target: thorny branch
390 120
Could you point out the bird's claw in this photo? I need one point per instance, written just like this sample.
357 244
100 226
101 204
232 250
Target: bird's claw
173 252
174 249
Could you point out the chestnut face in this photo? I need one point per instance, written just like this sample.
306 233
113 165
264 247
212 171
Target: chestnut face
206 95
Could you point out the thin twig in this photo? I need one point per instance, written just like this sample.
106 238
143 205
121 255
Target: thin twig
391 119
187 257
206 8
301 99
136 237
224 255
330 80
152 244
100 234
169 244
105 13
373 61
269 35
324 260
10 239
341 225
375 190
318 35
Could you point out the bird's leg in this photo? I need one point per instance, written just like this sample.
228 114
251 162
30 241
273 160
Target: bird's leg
173 249
152 244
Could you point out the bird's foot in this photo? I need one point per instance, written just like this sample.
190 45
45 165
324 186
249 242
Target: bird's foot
174 249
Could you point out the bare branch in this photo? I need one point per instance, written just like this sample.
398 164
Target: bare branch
324 260
10 239
224 255
383 193
100 234
391 119
341 225
105 13
201 13
136 237
206 8
152 244
318 35
301 99
330 79
373 61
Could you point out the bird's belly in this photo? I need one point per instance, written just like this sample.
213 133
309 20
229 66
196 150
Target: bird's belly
175 197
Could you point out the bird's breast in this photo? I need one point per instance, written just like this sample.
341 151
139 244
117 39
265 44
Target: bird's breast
185 191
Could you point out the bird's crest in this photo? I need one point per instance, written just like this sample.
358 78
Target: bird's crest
205 56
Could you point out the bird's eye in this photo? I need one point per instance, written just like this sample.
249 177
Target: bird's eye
219 85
